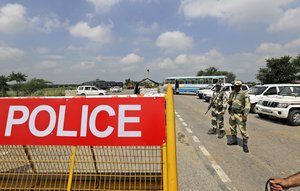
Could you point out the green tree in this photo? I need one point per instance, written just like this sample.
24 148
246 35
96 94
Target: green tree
34 85
212 71
279 70
3 85
127 81
19 78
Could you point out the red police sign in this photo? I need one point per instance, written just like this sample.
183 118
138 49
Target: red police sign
105 121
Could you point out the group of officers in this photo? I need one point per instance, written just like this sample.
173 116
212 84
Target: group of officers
238 105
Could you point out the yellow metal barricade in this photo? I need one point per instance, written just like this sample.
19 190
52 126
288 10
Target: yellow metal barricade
92 167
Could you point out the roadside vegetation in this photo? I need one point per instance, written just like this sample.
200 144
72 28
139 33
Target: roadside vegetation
278 70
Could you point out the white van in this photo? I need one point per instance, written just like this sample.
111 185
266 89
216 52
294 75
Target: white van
260 91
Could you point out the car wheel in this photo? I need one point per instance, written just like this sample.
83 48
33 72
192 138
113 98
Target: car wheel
253 108
101 94
82 94
263 116
294 118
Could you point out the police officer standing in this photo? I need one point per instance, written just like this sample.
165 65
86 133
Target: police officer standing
239 107
219 105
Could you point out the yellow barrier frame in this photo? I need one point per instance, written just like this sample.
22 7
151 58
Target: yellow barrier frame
171 142
166 158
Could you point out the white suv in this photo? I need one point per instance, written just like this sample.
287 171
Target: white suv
286 105
89 90
260 91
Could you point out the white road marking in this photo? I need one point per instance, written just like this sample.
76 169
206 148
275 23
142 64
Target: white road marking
189 130
220 171
196 139
205 152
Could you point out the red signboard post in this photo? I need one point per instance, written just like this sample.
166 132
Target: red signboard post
103 121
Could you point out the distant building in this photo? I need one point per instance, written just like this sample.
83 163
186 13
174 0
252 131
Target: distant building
148 83
146 86
102 84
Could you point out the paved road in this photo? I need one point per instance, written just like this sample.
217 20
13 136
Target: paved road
207 163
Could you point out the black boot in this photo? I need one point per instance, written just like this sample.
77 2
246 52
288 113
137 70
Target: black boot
245 146
212 131
221 134
232 141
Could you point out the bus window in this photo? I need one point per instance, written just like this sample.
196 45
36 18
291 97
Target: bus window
215 81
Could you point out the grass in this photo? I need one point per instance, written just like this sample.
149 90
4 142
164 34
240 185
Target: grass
43 92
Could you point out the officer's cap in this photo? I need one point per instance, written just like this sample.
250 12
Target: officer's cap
238 83
218 84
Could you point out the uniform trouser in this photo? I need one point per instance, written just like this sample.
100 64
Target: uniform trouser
217 119
235 120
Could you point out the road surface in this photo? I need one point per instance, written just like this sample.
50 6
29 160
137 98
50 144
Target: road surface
207 163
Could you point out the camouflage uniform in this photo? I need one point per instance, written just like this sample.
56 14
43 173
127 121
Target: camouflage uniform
239 108
219 104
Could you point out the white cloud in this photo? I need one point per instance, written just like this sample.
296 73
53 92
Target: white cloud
132 59
53 22
181 59
84 65
288 22
166 63
100 34
47 64
197 60
268 48
12 18
103 5
293 45
174 41
9 53
235 12
278 50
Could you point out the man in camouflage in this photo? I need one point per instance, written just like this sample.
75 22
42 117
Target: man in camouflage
239 107
219 105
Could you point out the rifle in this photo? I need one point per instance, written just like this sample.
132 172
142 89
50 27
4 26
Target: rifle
212 101
207 109
230 102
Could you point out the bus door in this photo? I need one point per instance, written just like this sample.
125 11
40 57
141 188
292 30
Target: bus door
176 87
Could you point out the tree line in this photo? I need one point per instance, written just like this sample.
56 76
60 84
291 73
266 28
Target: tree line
278 70
21 84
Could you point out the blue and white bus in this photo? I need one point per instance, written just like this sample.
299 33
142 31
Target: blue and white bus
184 84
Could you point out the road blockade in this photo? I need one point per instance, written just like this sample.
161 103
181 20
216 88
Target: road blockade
88 143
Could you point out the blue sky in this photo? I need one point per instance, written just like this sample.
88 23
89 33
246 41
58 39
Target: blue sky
72 41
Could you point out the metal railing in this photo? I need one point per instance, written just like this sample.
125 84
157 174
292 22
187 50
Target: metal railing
44 167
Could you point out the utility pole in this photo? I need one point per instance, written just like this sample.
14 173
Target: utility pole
148 73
